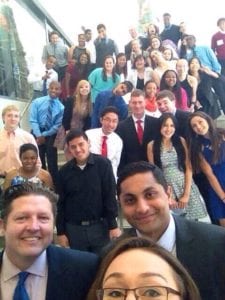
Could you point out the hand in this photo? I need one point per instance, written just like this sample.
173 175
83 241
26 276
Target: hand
62 240
173 203
40 140
183 201
114 233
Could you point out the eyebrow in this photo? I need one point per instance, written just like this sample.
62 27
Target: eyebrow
142 275
150 188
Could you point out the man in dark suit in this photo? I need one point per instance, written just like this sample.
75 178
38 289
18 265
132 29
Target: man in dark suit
51 272
144 42
166 103
144 198
134 146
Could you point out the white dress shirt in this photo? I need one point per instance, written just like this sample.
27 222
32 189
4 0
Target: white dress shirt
114 146
35 284
168 238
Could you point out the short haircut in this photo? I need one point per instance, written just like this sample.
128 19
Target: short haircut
220 20
10 107
165 94
75 133
129 85
166 15
27 147
137 93
87 31
109 109
100 26
141 167
26 189
53 32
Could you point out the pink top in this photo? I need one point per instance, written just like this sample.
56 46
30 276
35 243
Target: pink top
182 104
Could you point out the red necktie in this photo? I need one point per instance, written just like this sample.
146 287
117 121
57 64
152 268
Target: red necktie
104 146
139 131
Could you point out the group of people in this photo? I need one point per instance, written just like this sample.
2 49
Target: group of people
139 156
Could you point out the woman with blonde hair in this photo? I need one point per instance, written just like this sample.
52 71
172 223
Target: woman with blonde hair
77 113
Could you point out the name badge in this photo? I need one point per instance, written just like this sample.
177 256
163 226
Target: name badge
220 42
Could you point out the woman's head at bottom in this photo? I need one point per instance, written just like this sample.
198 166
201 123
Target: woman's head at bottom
138 269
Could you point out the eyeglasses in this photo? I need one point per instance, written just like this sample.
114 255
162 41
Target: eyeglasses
141 293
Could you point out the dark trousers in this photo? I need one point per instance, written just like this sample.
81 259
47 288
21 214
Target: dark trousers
218 86
48 153
90 238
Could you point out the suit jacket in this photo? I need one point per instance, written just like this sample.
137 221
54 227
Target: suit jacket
200 248
70 273
132 150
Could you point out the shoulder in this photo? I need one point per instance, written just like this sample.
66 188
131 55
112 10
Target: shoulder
209 233
71 256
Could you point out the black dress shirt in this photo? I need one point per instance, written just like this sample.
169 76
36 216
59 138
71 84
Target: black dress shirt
87 194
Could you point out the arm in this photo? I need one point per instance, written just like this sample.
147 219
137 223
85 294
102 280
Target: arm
34 122
110 208
70 53
150 152
95 119
213 181
9 176
187 178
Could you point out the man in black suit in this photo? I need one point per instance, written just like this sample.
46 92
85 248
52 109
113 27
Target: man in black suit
52 273
144 198
135 148
144 42
166 103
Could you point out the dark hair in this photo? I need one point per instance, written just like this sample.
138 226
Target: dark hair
166 15
87 31
75 133
195 141
165 93
53 32
109 109
129 85
104 75
83 69
26 189
117 69
176 89
27 147
140 167
139 56
100 26
176 142
186 285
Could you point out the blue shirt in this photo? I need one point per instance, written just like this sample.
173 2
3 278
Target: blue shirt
38 114
207 57
104 99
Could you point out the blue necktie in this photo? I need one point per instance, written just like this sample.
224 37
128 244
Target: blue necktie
20 292
48 120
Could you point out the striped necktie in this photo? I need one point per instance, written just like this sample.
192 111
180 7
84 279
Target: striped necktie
139 131
48 120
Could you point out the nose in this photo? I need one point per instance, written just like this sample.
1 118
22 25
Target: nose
130 295
33 224
142 206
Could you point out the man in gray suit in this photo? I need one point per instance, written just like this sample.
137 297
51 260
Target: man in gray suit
145 197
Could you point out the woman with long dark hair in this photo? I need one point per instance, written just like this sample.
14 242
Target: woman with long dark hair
170 81
169 152
104 78
207 154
